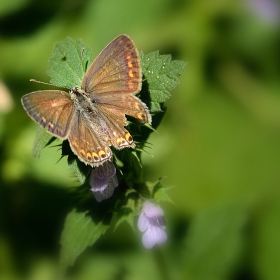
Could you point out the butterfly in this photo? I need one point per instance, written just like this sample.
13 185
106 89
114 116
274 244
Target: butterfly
92 116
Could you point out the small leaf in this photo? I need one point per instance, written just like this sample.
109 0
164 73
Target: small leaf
136 166
155 107
68 63
42 139
160 192
126 214
81 170
162 76
79 232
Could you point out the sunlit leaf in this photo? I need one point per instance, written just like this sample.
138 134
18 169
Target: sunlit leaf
162 75
68 63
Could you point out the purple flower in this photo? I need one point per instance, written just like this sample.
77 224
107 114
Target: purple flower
103 180
267 10
151 222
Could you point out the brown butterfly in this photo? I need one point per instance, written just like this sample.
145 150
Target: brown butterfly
92 117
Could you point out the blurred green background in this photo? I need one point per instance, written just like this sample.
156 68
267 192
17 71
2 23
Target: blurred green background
218 146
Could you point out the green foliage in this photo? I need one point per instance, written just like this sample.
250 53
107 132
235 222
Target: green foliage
162 75
67 66
218 143
214 243
80 170
80 232
68 63
41 141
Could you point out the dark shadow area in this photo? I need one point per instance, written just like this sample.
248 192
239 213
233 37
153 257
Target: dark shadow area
36 14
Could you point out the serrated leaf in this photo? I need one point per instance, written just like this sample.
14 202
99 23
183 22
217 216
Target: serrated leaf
155 107
41 140
79 232
151 185
68 63
162 76
160 193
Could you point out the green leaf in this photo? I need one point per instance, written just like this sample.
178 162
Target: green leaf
265 239
79 232
68 63
162 75
80 169
160 192
214 243
127 209
155 107
42 139
125 214
136 164
156 191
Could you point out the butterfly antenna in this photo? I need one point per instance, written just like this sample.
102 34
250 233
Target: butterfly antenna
49 84
36 81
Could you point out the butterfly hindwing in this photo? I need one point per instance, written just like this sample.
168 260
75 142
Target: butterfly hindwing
124 104
116 134
86 143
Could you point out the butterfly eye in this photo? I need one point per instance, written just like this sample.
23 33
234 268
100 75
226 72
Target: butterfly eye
95 100
75 90
89 110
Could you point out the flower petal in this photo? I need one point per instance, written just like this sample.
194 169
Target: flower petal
154 235
112 183
98 185
104 188
143 222
152 210
98 196
105 171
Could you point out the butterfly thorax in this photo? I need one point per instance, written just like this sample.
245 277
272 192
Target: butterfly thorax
86 106
82 102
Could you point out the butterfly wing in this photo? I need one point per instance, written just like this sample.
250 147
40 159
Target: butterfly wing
87 140
52 109
115 70
124 104
112 81
116 134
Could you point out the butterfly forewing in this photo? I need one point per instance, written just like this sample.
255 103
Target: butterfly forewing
115 70
52 109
